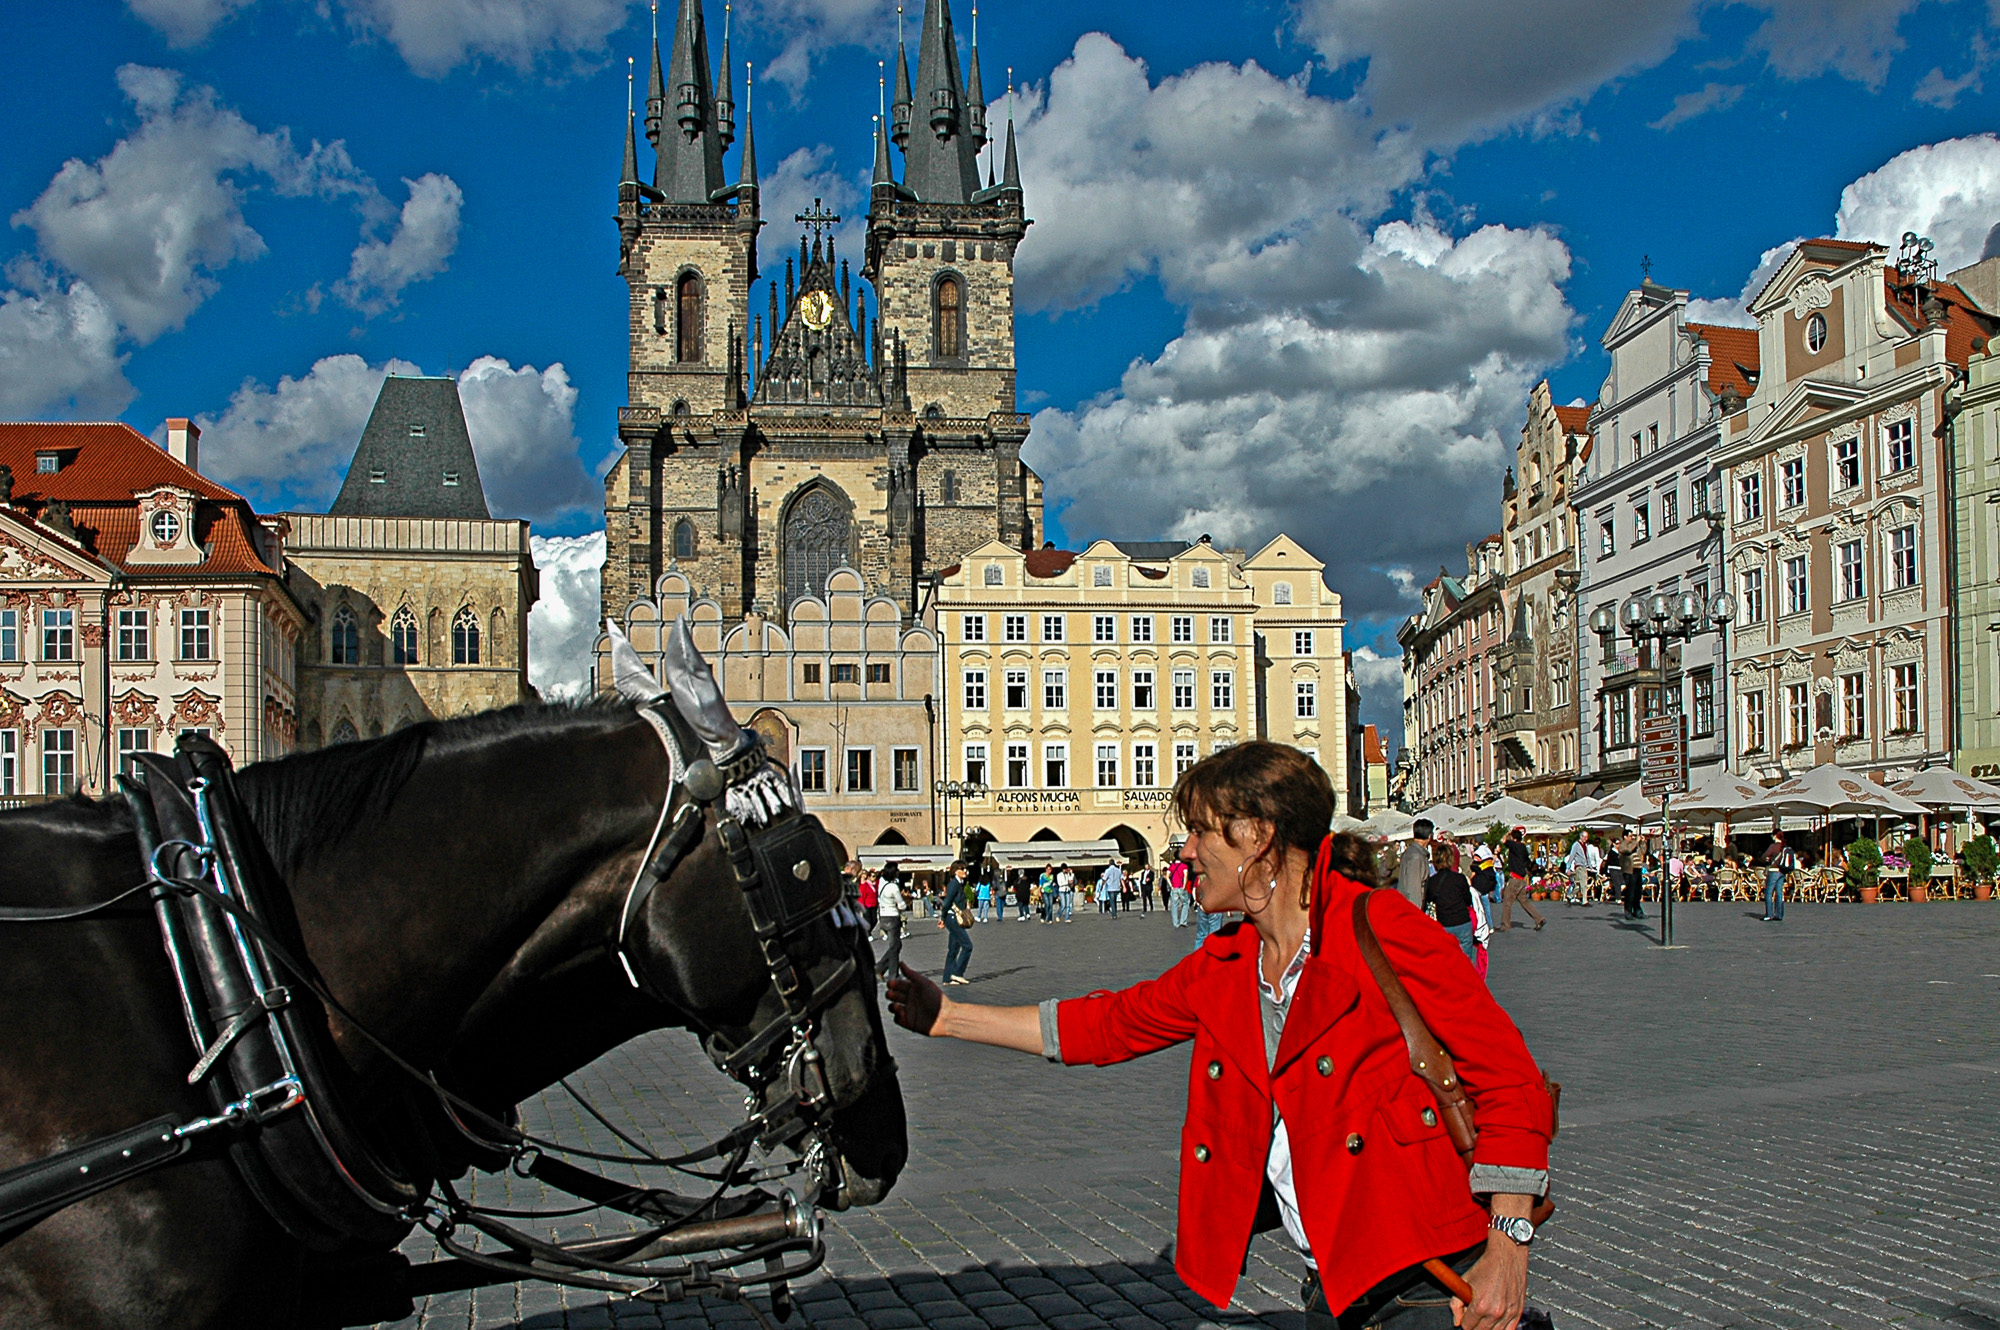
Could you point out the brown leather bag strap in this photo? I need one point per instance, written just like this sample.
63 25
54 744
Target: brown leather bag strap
1428 1059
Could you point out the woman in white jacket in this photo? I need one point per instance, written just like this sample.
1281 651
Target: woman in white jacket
889 900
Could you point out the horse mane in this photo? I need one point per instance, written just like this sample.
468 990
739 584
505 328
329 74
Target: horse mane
304 804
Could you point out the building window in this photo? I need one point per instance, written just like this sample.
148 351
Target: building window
10 761
1854 706
1621 718
809 674
849 673
975 690
345 733
878 673
1903 697
1847 464
1752 595
1219 629
1642 524
1142 628
993 574
196 643
1013 628
1792 483
1142 691
816 542
684 539
1853 584
1903 557
1653 438
975 764
973 626
1201 578
1306 700
1055 628
1184 690
1798 715
687 319
135 637
1902 445
465 637
1101 575
1670 509
1183 758
1106 698
130 743
1754 737
1749 497
1055 690
1816 333
58 761
1055 766
344 638
948 319
58 634
403 637
1796 597
1183 628
10 635
1559 684
903 769
1281 593
948 487
1607 539
1222 691
1016 690
451 478
1104 628
860 770
1017 766
1702 685
1144 759
1698 498
1302 642
1107 766
47 464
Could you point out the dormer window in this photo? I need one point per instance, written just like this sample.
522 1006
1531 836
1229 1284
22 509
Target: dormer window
48 463
378 476
451 478
166 528
416 430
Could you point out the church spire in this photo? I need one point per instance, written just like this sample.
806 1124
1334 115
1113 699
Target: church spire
975 99
1010 177
629 175
656 90
746 176
899 110
725 104
688 168
942 165
885 178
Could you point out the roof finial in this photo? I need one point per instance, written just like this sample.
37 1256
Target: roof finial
746 177
1646 267
656 91
881 90
630 173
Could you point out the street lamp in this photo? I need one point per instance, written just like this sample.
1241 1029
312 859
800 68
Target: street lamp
1659 619
959 791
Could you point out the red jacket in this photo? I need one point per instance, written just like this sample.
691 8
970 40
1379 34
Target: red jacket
1379 1187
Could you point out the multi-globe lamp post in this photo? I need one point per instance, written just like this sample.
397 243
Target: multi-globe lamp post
958 791
1661 618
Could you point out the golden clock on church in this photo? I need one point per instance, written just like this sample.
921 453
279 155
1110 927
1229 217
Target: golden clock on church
816 308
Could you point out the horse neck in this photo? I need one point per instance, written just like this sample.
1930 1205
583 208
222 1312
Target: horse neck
411 918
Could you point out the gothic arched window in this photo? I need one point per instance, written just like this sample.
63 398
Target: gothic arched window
345 733
949 317
684 539
687 318
465 637
344 644
815 542
403 637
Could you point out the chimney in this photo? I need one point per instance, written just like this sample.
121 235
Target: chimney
184 442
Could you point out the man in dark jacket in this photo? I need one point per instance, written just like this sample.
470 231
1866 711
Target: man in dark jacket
1520 868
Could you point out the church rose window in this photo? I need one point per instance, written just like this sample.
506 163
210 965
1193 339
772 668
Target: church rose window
815 543
950 320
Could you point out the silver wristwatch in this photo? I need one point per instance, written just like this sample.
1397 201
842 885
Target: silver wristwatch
1519 1231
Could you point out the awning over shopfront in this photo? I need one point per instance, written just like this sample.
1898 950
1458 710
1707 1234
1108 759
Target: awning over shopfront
910 858
1038 853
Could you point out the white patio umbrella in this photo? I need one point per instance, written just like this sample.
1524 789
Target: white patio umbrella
1718 795
1574 813
1342 822
1829 790
1627 807
1389 824
1444 817
1943 788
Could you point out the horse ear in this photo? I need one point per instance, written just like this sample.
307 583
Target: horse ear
629 675
695 694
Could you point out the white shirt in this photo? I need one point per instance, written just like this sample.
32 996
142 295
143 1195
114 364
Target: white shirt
889 898
1275 1005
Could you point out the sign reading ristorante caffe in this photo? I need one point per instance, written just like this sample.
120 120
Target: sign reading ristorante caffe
1071 801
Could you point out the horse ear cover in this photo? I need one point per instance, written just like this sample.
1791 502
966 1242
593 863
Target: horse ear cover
629 675
695 694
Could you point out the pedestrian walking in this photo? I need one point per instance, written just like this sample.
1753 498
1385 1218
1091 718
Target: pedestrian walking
1628 876
867 893
957 925
1021 885
1363 1189
1482 933
889 898
1778 860
1146 891
1415 865
1047 883
1177 894
1110 888
1485 878
1577 861
984 893
1066 888
1520 870
1448 895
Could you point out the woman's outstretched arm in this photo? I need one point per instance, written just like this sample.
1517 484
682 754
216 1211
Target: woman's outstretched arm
920 1005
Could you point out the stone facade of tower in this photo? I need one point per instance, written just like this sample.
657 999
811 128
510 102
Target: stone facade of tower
775 435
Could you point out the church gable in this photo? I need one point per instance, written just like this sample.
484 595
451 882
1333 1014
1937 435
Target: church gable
819 355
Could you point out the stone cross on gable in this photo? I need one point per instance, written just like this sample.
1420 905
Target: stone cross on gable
819 220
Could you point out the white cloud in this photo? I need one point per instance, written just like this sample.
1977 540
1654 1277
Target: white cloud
806 175
425 235
1934 89
809 28
292 443
1734 311
59 351
523 427
1948 191
564 623
1692 105
1380 679
187 22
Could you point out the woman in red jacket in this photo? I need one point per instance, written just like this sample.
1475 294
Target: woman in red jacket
1300 1092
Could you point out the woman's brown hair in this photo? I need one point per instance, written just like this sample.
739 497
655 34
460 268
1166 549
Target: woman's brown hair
1265 782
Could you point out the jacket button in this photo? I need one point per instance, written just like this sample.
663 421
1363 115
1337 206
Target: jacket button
1325 1066
1201 1154
1215 1071
1430 1117
1354 1143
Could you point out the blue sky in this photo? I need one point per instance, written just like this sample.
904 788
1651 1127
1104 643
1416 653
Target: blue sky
1297 264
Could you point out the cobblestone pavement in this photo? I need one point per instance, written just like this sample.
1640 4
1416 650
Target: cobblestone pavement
1778 1125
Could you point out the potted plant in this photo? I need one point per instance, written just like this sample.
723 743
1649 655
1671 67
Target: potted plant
1864 869
1982 861
1918 851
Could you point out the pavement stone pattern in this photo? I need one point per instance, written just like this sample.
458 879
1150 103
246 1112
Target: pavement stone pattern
1774 1125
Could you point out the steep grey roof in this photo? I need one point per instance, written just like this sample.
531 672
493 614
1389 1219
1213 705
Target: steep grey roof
687 167
1151 549
941 158
415 457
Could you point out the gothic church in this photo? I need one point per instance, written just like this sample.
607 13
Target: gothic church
766 447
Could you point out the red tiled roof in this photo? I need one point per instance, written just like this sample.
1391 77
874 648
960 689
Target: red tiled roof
1732 357
1963 322
109 463
1574 419
1371 745
1049 563
1857 246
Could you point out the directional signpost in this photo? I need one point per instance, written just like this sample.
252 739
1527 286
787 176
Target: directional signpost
1663 771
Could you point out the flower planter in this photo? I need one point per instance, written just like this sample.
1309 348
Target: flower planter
1982 891
1869 895
1920 892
